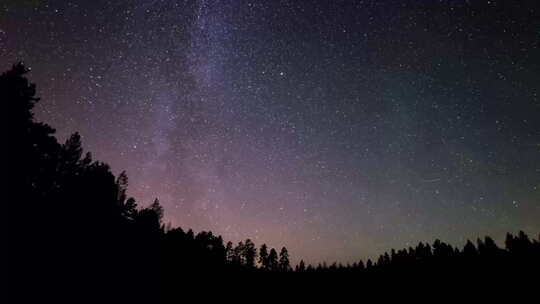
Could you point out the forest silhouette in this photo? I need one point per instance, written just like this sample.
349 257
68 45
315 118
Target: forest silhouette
73 231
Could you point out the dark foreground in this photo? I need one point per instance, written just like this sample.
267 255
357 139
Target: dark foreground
75 236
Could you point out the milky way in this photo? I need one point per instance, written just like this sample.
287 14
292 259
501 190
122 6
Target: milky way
338 129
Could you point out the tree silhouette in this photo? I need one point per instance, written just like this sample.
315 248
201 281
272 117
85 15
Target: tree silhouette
469 251
263 256
361 265
369 264
284 264
238 254
76 211
273 264
301 267
249 254
74 231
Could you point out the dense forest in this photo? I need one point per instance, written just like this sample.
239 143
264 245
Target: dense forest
73 230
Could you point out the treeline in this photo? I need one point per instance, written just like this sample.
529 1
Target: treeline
519 251
71 225
72 230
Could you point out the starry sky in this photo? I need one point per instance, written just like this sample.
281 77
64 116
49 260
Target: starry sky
339 129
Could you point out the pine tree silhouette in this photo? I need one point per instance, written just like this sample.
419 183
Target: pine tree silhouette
284 264
74 231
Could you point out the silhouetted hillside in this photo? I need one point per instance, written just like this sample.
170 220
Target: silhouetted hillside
74 232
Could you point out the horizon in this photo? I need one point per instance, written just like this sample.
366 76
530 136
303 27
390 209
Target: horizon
337 131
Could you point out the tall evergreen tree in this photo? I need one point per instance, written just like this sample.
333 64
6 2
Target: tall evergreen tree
263 256
284 263
249 254
238 254
273 263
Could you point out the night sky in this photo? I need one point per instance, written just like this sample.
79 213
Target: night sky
339 129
